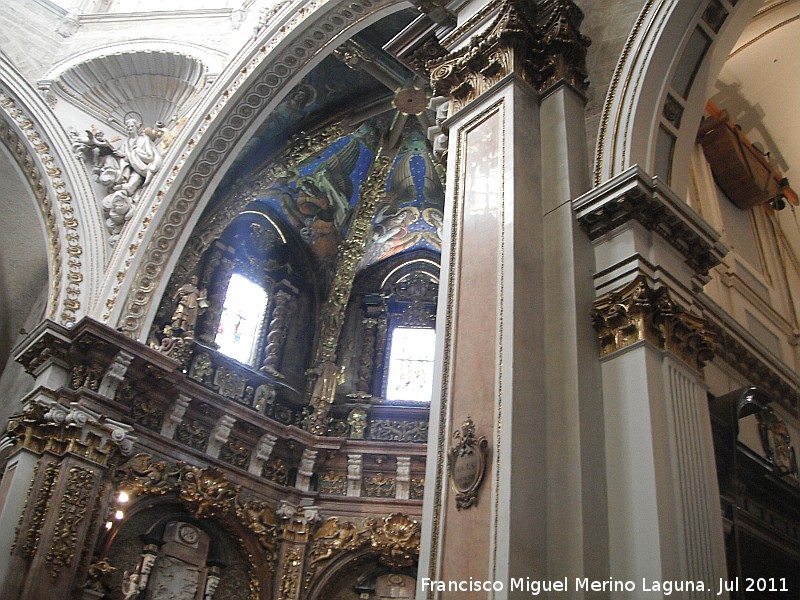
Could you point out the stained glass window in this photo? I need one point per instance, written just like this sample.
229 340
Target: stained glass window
242 315
411 364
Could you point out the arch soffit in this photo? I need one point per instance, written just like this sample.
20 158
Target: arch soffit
632 112
238 103
64 195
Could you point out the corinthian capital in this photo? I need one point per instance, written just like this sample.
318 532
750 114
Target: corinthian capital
637 312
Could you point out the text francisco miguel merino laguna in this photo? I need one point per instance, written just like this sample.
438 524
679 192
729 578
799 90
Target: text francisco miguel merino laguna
537 586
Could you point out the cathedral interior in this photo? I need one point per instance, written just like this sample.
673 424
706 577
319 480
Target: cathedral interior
324 300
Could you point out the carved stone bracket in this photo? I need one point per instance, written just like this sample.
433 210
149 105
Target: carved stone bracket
635 196
637 312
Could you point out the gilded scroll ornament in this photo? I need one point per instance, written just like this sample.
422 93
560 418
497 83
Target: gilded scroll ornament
292 572
467 464
396 539
97 579
205 491
349 254
33 532
259 518
71 512
636 312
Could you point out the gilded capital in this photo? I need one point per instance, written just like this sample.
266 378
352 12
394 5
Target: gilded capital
637 312
539 42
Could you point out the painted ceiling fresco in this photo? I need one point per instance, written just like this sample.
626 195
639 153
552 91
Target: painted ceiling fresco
319 198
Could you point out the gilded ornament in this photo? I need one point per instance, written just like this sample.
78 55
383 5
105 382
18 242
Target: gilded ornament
97 579
378 486
636 312
332 484
259 517
349 254
33 531
71 512
234 452
396 539
292 571
467 464
276 470
192 433
334 537
391 430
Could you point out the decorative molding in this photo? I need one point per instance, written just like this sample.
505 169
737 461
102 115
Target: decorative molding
635 196
68 256
348 256
637 312
71 511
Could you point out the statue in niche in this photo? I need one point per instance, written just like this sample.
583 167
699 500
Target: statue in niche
190 302
123 169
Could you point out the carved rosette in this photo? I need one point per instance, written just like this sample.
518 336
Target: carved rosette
541 43
639 313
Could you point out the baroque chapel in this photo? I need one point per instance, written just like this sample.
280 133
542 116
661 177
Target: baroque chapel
375 299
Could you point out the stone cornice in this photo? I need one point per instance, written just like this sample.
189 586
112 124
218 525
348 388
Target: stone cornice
737 348
635 196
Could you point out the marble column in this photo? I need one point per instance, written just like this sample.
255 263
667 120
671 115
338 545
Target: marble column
490 351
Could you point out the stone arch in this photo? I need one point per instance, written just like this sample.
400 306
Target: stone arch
634 110
246 92
231 545
62 191
348 567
